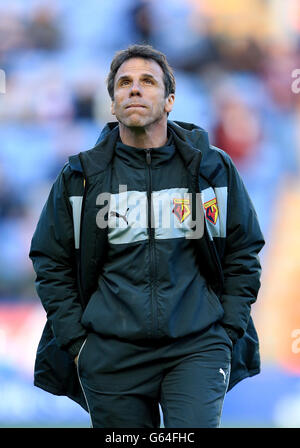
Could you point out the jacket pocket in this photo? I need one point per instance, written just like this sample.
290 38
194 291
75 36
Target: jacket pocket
227 336
215 301
90 313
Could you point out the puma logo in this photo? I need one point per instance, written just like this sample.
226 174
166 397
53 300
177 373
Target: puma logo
119 215
223 373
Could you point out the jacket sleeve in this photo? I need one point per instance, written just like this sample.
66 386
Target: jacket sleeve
53 257
241 264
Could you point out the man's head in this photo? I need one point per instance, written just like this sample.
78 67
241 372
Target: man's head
141 85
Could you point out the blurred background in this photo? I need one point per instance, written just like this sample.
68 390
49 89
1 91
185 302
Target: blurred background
235 65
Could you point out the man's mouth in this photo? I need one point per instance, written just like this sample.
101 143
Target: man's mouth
134 106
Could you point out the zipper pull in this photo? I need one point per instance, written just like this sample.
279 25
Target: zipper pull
148 156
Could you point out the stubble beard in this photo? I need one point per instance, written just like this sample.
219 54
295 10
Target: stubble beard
145 122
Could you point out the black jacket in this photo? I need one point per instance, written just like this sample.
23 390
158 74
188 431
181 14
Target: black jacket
68 251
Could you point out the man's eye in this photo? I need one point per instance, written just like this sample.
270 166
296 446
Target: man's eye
124 83
148 81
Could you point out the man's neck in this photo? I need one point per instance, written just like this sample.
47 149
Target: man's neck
144 137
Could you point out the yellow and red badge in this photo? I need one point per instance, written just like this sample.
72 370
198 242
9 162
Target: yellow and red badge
211 210
181 209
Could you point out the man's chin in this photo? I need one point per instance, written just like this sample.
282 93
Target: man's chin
137 121
134 122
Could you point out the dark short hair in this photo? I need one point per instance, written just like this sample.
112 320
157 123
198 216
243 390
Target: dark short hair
145 52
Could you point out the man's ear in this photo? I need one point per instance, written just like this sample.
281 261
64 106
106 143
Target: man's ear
112 108
169 102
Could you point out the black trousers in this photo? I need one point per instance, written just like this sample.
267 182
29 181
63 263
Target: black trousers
124 382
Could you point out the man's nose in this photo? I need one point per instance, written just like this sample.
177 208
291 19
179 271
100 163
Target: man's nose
135 89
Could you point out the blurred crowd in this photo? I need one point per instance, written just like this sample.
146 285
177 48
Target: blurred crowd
233 65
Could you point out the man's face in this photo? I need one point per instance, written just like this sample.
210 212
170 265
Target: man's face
139 93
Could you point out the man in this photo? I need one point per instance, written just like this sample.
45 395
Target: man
146 255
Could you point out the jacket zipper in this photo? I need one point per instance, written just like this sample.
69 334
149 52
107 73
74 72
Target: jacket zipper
151 245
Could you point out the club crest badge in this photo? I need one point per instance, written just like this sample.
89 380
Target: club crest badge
211 210
181 209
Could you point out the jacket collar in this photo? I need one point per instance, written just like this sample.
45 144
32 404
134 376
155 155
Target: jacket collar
191 142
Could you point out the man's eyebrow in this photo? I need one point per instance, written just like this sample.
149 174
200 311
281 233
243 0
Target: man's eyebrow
143 75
